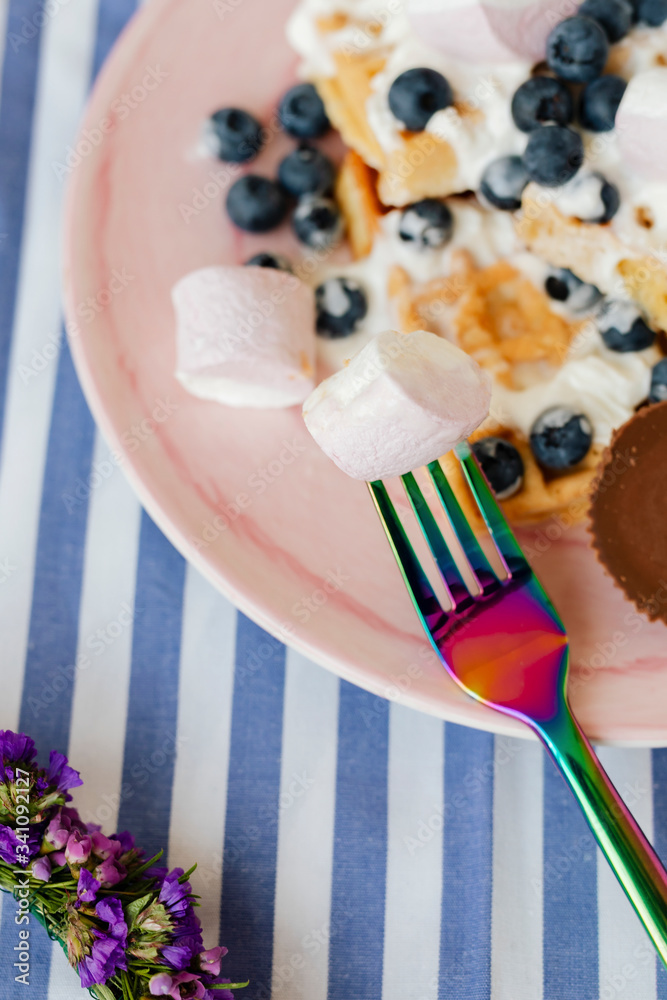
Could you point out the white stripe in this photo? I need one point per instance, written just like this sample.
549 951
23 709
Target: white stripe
63 981
199 796
305 834
414 856
4 13
516 925
627 958
104 653
67 48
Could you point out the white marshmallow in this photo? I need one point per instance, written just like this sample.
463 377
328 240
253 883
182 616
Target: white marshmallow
486 30
641 124
401 402
245 336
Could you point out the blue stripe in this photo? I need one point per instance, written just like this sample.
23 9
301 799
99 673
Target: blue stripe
660 837
151 736
251 831
54 623
571 967
465 944
19 87
360 848
112 17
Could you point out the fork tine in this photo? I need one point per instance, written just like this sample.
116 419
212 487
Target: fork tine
423 597
486 578
503 536
456 589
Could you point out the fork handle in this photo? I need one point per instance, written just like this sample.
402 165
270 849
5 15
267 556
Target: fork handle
635 863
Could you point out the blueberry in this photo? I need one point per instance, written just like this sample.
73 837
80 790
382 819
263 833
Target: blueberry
615 16
416 95
341 305
318 222
599 103
658 391
503 183
589 197
623 327
306 171
577 49
267 259
501 464
652 12
542 101
256 204
302 113
553 155
564 286
561 438
233 135
426 223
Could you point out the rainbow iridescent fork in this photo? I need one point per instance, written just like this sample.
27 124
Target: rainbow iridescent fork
507 647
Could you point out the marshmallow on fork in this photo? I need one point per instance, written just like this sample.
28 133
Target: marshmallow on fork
641 124
245 336
485 31
403 401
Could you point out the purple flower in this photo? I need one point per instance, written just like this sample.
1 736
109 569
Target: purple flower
41 868
78 848
110 873
182 985
107 955
12 849
17 748
174 894
186 940
209 961
60 774
87 887
126 841
58 858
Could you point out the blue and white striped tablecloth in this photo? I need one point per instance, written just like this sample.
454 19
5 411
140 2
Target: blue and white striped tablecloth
349 849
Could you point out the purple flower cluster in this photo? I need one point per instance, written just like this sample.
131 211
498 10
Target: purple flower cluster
100 926
45 790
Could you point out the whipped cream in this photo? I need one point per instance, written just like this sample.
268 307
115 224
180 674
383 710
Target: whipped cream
245 336
603 384
401 402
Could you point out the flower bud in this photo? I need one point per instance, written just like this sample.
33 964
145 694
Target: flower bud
78 848
160 985
103 847
41 868
57 832
109 873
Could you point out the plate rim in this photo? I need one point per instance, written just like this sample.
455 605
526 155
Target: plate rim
466 713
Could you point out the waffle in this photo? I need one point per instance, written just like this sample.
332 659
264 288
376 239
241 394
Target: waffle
566 242
422 166
504 322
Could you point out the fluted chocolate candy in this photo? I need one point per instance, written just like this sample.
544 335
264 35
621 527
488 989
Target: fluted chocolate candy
627 515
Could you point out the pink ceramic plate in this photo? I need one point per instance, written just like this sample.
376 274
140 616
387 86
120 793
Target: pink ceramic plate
245 495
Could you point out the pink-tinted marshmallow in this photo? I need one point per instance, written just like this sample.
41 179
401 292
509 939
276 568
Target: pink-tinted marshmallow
641 124
245 336
487 30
